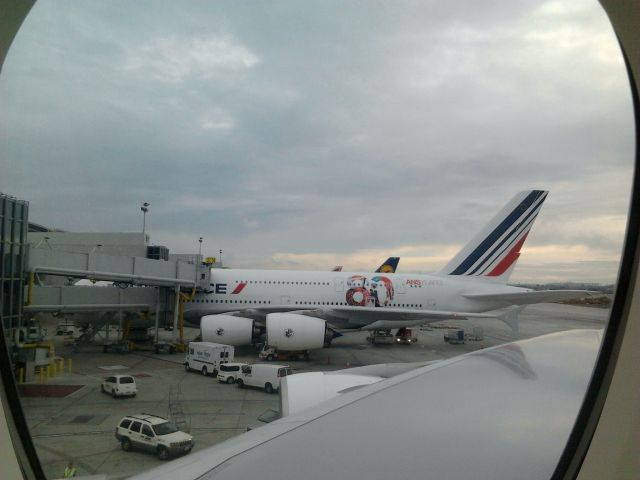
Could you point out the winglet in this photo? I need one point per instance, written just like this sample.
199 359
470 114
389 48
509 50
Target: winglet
510 317
494 251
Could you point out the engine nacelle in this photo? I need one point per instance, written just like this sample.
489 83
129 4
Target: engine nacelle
292 331
228 329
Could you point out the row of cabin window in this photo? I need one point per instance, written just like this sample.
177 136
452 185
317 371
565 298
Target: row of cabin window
274 282
206 300
410 305
414 305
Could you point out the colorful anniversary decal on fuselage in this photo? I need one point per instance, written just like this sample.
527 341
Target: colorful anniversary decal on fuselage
362 292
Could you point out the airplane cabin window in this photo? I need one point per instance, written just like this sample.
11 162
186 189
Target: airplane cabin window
296 136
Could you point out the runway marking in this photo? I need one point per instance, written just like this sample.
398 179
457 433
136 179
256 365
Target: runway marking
72 434
113 367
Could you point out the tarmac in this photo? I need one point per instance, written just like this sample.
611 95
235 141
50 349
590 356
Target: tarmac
80 426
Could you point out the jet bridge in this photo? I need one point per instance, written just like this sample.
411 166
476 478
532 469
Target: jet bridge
139 284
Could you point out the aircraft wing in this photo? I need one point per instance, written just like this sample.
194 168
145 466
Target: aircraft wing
526 298
377 318
503 412
373 318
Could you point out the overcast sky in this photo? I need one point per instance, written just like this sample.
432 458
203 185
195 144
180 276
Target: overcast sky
311 134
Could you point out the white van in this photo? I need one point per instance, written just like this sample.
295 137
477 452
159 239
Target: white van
229 372
263 376
206 357
119 386
66 328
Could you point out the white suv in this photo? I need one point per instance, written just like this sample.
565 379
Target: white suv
229 372
152 433
120 386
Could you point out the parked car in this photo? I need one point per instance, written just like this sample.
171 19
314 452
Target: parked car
229 372
120 386
154 434
261 375
66 328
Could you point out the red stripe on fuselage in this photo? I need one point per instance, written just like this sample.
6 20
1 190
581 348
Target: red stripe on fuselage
507 261
239 288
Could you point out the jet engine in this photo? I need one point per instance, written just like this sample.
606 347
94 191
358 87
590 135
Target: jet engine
228 329
292 331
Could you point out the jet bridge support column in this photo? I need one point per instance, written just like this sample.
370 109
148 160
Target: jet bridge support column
122 335
157 338
176 307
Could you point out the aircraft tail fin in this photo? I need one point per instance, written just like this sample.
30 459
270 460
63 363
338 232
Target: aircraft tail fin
389 265
494 251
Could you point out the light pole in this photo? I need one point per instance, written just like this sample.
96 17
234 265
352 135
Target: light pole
220 257
145 209
200 246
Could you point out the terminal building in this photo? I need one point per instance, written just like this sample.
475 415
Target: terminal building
91 282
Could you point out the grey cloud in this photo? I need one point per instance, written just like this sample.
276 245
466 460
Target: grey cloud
318 126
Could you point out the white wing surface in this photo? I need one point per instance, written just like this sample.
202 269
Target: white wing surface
500 413
528 298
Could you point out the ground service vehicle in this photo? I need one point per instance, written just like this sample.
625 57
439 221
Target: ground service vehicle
229 372
207 357
263 376
271 353
120 386
454 337
66 328
154 434
380 337
405 336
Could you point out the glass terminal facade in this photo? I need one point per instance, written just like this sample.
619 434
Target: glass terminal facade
14 215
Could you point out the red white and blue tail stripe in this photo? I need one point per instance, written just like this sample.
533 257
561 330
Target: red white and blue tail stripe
493 252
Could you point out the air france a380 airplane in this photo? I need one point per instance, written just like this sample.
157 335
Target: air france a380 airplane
303 310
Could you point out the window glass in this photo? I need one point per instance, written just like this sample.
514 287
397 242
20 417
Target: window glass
125 423
423 120
127 380
135 427
165 428
146 430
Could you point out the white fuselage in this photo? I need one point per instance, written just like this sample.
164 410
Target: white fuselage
237 290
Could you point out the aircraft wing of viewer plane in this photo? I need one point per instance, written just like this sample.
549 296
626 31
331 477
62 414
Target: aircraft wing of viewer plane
303 310
517 378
